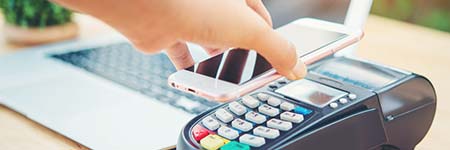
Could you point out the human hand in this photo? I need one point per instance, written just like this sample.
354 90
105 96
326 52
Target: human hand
153 25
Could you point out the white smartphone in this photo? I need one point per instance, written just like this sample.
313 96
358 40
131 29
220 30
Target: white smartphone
237 72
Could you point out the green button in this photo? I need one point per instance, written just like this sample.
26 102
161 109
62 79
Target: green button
233 145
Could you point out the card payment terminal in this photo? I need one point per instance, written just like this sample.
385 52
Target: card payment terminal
343 103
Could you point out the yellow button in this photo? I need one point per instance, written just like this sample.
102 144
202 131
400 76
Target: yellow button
213 142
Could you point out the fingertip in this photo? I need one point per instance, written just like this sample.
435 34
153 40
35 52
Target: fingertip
294 67
281 53
298 72
291 76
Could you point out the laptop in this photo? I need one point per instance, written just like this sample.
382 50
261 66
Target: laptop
104 94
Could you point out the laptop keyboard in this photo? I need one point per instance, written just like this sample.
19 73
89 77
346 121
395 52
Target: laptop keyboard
148 74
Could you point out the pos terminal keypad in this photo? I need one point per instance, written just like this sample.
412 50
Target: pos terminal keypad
264 117
252 121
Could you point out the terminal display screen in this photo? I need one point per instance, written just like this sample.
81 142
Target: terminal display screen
311 92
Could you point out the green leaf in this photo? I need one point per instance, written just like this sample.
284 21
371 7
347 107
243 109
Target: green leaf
34 13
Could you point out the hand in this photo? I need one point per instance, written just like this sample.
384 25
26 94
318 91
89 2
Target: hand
152 25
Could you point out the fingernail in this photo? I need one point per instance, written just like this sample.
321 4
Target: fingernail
298 72
291 45
291 76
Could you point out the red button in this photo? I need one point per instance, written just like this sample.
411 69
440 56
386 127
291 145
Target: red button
199 132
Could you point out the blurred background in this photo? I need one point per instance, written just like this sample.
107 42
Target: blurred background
32 14
430 13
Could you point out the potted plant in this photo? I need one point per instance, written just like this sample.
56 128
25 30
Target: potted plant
36 22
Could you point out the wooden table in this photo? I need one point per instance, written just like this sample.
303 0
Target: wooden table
417 49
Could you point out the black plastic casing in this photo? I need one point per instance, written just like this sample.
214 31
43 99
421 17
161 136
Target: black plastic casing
394 116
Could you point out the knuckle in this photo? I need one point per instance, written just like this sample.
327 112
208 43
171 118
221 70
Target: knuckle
184 57
147 47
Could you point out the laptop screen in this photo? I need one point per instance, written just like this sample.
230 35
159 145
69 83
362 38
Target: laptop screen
285 11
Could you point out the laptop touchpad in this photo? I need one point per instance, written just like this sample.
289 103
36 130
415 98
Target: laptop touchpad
98 113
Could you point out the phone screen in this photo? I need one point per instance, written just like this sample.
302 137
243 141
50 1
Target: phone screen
239 66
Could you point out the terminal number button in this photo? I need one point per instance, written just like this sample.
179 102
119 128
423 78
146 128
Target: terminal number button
242 125
274 101
255 117
279 124
262 96
227 132
266 132
268 110
287 106
292 117
252 140
210 123
249 101
223 115
237 108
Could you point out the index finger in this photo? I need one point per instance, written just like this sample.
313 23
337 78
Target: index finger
235 25
280 53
